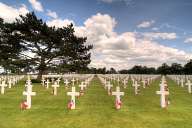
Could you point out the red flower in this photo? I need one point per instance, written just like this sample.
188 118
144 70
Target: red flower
23 105
70 104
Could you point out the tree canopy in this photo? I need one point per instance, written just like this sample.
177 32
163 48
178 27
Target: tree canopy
35 45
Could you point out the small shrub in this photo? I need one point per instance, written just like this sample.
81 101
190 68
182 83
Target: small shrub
35 81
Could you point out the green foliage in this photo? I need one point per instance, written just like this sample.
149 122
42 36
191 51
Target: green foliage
164 69
141 70
188 67
51 47
35 81
9 46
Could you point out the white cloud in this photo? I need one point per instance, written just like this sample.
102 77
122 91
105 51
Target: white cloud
127 49
52 14
188 40
97 26
155 29
160 35
107 1
9 13
59 22
127 2
146 24
36 5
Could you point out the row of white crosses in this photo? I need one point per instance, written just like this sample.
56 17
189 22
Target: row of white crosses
183 80
120 78
105 80
82 87
125 82
73 93
109 86
146 80
11 78
136 87
29 93
3 85
189 84
55 83
123 78
46 82
55 86
8 81
163 93
116 93
67 82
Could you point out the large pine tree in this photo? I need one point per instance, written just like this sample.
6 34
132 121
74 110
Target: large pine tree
45 47
9 47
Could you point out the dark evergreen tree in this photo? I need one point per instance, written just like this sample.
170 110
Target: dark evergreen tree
164 69
48 47
9 47
188 67
176 68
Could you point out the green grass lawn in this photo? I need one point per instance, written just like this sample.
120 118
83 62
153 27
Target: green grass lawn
96 109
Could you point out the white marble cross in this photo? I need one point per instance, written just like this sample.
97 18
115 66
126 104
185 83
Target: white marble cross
118 80
3 85
178 81
136 85
148 81
58 81
105 81
109 86
73 81
73 94
43 81
182 82
118 95
66 82
163 94
144 83
47 83
86 82
55 86
10 83
52 80
29 93
124 83
28 82
14 81
189 84
82 86
133 81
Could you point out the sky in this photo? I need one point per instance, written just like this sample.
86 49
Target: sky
123 33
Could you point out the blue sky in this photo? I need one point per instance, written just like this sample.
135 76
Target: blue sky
167 24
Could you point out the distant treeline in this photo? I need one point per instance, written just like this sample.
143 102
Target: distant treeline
174 68
164 69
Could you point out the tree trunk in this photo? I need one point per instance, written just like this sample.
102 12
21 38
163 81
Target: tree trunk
42 68
39 77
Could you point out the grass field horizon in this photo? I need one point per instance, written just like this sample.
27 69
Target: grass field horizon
96 109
